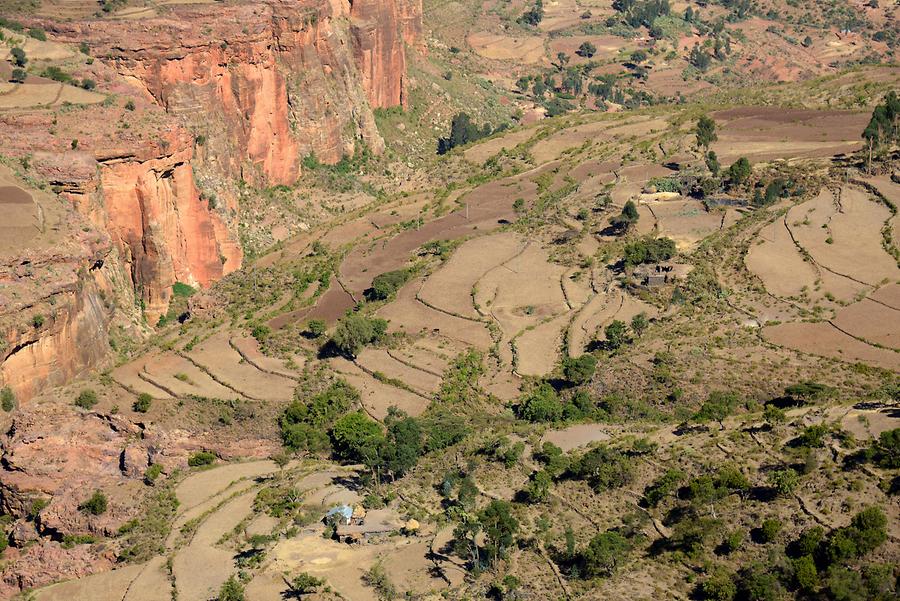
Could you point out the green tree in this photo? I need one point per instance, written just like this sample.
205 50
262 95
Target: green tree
304 584
354 331
586 50
628 217
784 481
883 128
404 442
616 334
356 437
7 399
662 487
720 585
231 590
540 405
538 488
739 172
718 405
142 404
86 399
96 504
886 450
579 370
604 554
18 75
805 573
604 468
769 529
385 285
316 327
499 527
18 56
639 323
705 132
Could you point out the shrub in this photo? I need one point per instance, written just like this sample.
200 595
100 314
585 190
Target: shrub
540 405
7 399
354 331
719 586
385 285
304 583
769 530
129 105
733 541
579 370
586 50
86 399
18 75
649 250
18 56
316 327
182 290
56 74
886 450
37 33
88 84
662 487
142 404
96 504
805 573
201 458
784 481
152 473
739 172
232 590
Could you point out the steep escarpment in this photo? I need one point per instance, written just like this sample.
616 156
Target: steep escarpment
264 84
56 290
140 192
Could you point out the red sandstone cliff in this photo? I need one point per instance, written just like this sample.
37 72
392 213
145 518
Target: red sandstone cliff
266 83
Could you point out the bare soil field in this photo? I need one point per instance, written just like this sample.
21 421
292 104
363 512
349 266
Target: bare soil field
516 294
849 243
763 134
30 95
180 377
537 349
482 151
775 259
406 314
218 356
687 222
378 397
378 360
450 287
524 49
871 321
579 435
823 339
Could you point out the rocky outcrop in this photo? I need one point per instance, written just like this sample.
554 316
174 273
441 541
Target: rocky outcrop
264 84
143 196
55 305
55 456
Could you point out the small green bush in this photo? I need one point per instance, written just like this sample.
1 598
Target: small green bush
142 404
7 399
97 504
86 399
152 473
201 458
769 530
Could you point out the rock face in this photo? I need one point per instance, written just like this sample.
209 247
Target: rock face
264 84
55 300
57 455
